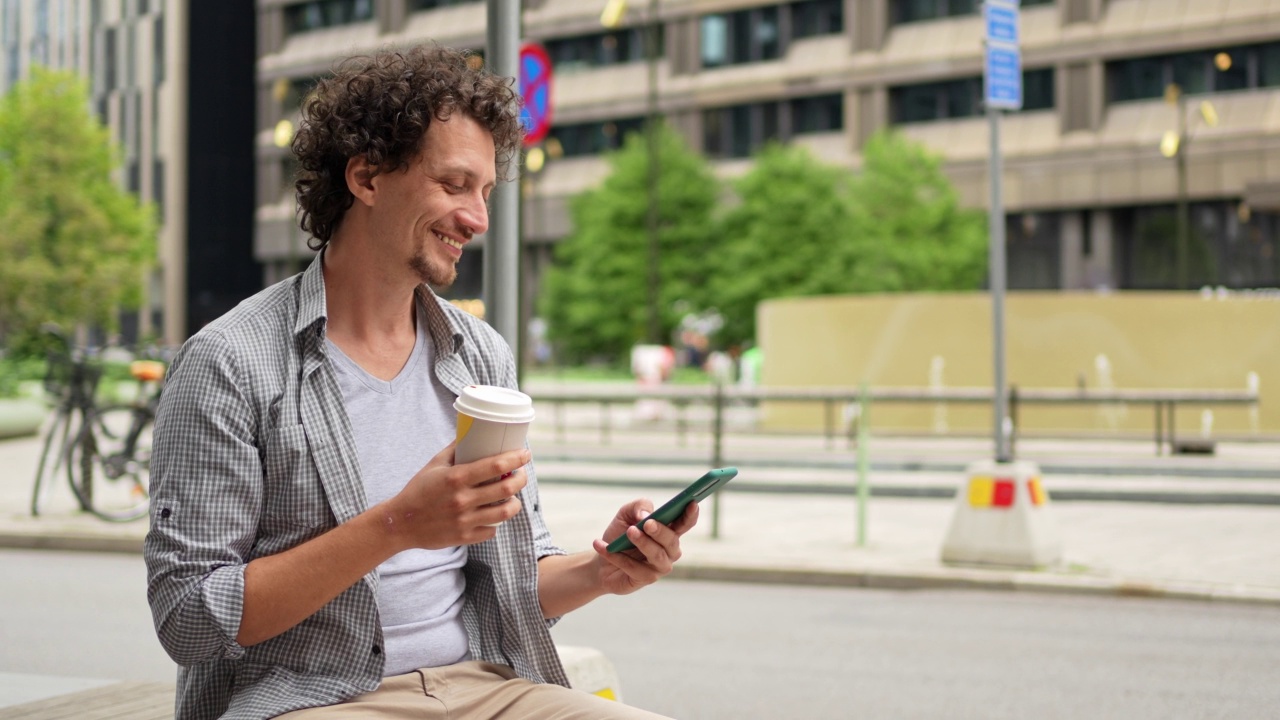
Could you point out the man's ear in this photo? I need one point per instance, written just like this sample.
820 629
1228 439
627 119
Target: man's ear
359 177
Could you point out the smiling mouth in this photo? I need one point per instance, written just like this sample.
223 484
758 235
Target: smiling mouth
449 241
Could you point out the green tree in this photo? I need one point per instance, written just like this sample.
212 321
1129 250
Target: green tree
75 246
595 297
788 236
909 231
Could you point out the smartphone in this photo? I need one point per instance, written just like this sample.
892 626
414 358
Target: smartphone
701 488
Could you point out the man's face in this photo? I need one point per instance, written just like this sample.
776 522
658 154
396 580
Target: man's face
429 211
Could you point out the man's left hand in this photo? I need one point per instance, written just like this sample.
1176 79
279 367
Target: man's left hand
657 547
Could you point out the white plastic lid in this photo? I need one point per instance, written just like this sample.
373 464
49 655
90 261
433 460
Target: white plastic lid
496 404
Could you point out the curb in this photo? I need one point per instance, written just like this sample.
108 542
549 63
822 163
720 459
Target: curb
1013 581
940 492
959 578
1050 467
71 540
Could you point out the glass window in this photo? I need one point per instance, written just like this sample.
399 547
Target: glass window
905 11
963 97
741 37
109 59
1137 79
1191 71
295 91
1037 89
1201 71
288 174
588 51
595 137
817 17
429 4
1236 76
157 186
823 113
914 103
130 56
157 49
317 14
1269 65
715 40
740 131
713 132
770 113
766 33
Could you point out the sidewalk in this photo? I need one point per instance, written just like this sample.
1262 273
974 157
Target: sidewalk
1160 534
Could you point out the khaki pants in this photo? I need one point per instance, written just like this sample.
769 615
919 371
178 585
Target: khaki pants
472 691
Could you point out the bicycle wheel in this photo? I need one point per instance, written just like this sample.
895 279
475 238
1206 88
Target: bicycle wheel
110 463
55 449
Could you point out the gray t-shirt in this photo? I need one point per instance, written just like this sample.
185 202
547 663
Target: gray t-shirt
399 426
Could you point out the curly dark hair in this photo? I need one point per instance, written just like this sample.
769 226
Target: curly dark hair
380 106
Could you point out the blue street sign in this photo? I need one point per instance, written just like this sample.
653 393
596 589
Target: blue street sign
1002 22
1002 69
1003 77
535 92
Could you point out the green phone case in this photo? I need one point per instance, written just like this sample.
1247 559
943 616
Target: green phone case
699 489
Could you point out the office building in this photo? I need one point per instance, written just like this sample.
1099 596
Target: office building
173 80
1090 195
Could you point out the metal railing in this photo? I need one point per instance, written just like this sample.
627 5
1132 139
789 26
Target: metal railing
1164 403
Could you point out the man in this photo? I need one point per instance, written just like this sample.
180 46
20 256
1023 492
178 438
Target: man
313 549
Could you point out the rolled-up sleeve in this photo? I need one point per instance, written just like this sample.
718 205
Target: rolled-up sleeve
543 545
206 484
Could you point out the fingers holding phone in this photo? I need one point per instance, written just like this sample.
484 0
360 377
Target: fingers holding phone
673 510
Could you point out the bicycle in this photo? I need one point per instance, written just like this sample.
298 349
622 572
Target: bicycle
71 378
108 454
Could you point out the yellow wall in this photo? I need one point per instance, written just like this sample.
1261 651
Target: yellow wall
1150 340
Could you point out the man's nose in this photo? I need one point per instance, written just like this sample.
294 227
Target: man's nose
475 214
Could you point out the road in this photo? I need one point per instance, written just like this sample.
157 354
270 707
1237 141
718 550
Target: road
705 651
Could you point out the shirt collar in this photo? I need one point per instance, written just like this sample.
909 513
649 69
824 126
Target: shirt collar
312 311
311 300
444 334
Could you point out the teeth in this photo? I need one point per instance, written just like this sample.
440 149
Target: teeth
449 241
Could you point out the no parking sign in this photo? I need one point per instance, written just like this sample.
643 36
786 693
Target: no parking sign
535 92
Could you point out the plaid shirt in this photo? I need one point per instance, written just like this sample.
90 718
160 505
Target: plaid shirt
253 455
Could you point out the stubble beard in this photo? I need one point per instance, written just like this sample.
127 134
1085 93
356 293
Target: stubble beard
437 274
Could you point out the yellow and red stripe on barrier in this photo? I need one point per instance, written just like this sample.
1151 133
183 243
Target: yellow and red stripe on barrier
985 492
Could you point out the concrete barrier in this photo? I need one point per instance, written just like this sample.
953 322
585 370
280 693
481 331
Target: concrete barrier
590 671
20 417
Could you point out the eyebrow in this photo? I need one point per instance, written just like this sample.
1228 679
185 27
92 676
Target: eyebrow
448 169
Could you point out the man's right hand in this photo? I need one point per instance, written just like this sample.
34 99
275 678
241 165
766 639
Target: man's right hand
446 504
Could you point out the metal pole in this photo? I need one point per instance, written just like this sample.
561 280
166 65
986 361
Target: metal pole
864 462
997 270
654 280
502 243
717 457
1184 220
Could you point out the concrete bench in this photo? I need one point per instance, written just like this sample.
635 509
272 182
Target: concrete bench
588 669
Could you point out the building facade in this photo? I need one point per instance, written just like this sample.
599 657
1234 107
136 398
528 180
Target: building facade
1089 194
180 106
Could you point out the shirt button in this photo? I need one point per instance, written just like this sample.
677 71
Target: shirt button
377 650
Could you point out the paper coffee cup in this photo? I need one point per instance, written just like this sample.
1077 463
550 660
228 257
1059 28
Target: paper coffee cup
491 420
